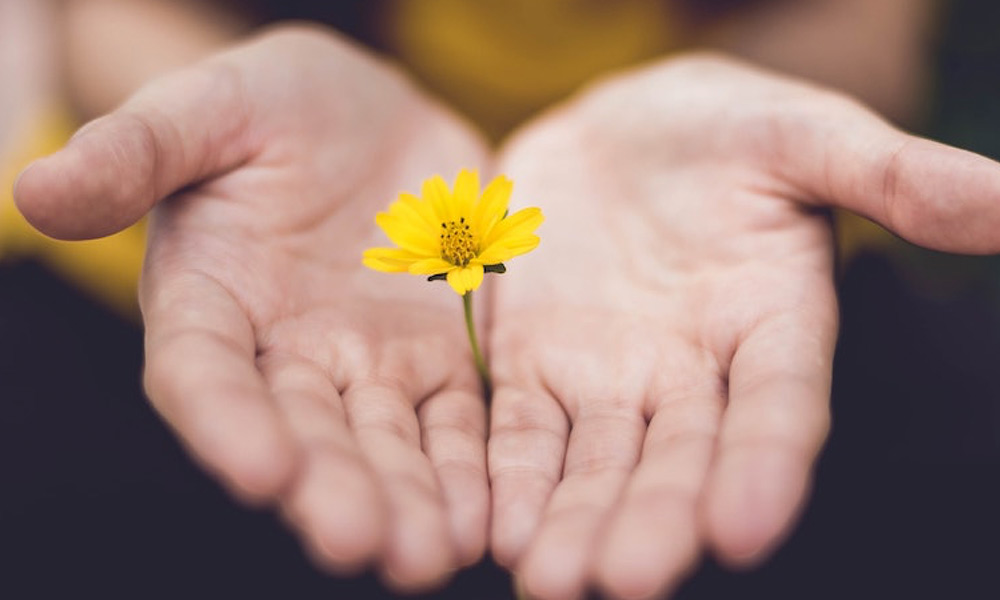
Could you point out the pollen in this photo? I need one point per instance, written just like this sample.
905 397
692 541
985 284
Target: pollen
458 244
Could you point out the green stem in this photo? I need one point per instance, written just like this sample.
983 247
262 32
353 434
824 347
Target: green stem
484 371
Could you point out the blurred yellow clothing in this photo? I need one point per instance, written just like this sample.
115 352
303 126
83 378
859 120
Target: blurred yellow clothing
107 268
500 61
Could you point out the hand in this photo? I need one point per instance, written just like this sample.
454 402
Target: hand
345 396
662 362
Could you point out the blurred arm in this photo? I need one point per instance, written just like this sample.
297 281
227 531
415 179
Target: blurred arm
112 47
876 50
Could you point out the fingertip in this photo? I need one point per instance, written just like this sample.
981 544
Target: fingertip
256 471
30 198
741 554
211 396
420 554
418 560
943 197
510 534
17 180
469 523
453 429
559 562
752 503
504 552
101 182
518 504
418 565
525 455
625 576
243 443
341 514
646 553
549 580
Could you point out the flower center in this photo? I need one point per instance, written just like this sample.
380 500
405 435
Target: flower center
458 246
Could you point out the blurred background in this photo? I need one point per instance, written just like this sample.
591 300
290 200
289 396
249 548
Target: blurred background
97 497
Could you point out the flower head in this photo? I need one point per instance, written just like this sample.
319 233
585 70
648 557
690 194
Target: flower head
456 234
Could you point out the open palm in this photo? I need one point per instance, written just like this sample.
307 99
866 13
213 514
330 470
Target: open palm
294 373
662 362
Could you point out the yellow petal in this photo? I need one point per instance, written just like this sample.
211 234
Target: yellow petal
492 205
411 208
388 260
435 192
466 192
465 279
430 266
507 249
523 222
409 235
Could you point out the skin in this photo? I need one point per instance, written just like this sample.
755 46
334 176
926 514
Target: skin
663 360
661 363
28 68
112 47
879 51
298 377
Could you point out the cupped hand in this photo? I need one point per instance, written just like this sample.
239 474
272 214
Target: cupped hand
347 397
662 362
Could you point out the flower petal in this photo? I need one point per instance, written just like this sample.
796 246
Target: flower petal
465 279
492 205
409 235
507 249
412 208
521 223
388 260
466 192
435 192
430 266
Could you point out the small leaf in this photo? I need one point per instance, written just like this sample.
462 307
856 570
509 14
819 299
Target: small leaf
497 268
438 277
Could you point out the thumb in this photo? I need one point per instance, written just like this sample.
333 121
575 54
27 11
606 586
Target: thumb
929 193
176 131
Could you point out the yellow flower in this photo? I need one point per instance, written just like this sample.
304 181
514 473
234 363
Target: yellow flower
458 235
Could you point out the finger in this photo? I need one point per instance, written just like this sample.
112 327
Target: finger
653 538
334 501
200 376
176 131
419 552
929 193
772 431
453 425
603 449
526 447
